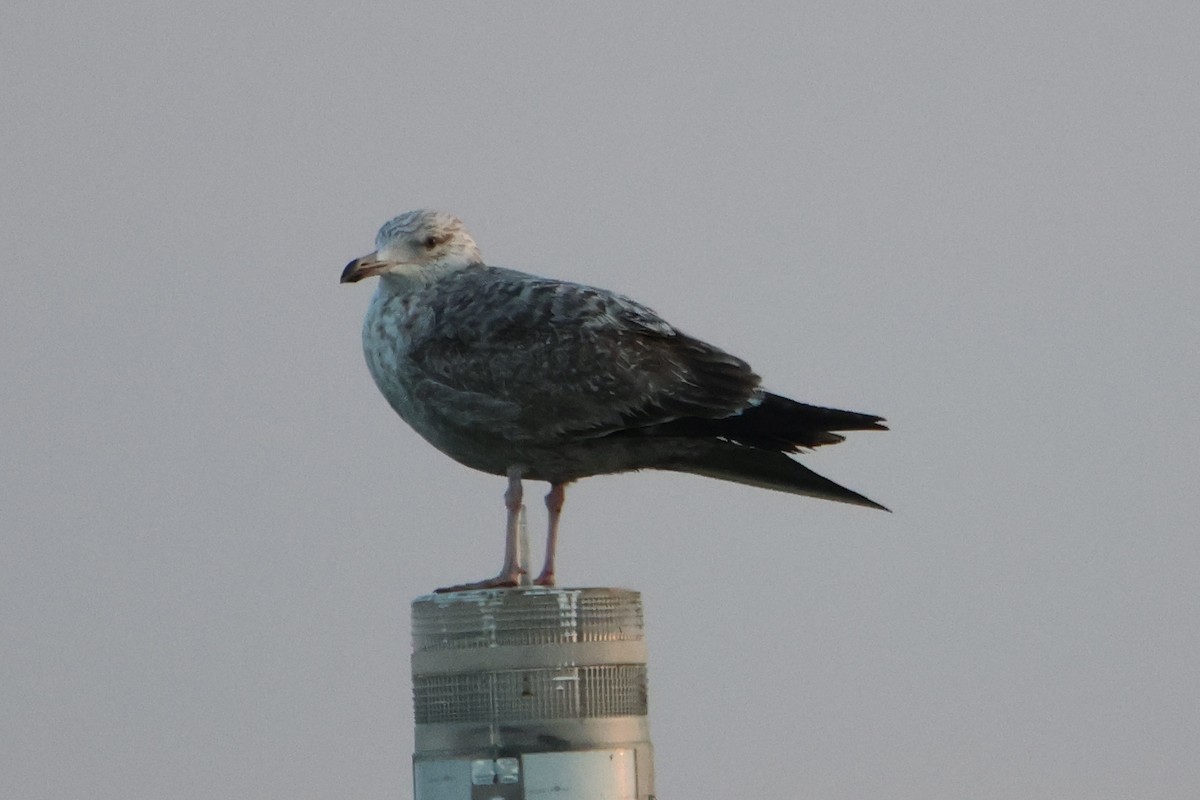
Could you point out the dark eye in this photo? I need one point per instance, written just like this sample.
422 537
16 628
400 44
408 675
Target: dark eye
431 242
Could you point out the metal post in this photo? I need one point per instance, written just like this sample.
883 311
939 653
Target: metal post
531 693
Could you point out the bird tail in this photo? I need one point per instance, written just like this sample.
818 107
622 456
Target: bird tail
775 423
765 469
783 424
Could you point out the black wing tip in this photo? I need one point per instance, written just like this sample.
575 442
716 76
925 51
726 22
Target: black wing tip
853 498
767 470
832 418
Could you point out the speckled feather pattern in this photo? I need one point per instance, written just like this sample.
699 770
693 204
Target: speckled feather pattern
529 377
532 370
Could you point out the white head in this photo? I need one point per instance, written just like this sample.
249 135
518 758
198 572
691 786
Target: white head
414 242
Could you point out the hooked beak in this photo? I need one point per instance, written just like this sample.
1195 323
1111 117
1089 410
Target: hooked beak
363 267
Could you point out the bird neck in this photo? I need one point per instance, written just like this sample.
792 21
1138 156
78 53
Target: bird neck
400 283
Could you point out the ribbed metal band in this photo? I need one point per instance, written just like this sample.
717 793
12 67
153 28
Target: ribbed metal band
582 654
613 690
525 616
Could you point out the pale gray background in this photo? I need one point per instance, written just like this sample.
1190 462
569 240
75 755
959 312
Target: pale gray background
979 221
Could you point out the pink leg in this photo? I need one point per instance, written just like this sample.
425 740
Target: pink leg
511 572
554 505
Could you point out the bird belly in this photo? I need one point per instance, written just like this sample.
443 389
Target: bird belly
494 448
486 434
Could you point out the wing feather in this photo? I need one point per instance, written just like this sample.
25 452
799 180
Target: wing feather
572 360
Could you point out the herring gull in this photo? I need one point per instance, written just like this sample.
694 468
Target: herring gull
540 379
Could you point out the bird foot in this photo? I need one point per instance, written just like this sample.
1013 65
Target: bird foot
545 579
505 580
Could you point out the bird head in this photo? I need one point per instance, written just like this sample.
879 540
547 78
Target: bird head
413 242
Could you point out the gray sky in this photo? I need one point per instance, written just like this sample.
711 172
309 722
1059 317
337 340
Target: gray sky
978 223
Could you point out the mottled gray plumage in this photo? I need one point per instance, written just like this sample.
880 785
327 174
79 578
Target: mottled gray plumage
529 377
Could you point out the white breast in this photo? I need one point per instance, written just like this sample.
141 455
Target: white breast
388 333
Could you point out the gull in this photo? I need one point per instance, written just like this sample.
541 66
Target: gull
539 379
